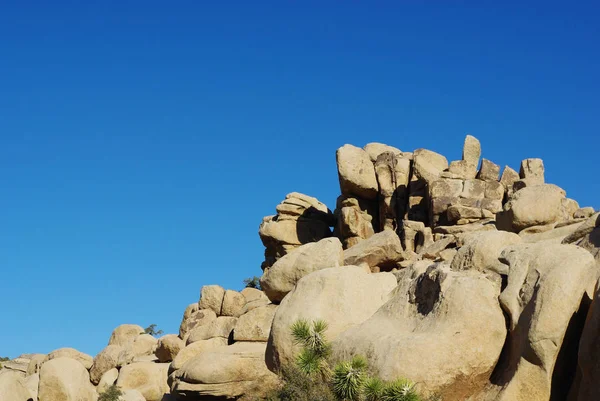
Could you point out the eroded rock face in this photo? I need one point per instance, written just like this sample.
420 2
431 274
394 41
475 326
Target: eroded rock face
393 176
300 219
436 322
281 278
589 353
149 378
226 372
72 353
381 252
194 319
113 356
125 334
255 325
220 327
356 172
12 387
545 289
343 297
168 347
480 251
65 379
537 205
194 349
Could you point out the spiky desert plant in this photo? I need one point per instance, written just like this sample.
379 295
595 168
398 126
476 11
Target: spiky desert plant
311 335
373 389
400 390
349 377
316 349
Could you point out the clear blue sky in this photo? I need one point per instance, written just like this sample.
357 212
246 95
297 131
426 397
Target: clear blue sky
141 143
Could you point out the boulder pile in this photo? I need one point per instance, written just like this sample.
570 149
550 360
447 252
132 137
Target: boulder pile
474 282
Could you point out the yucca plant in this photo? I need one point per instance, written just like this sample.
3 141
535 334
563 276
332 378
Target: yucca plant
373 389
348 378
400 390
311 335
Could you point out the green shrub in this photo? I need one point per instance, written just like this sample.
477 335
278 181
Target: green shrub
349 378
373 389
111 394
400 390
252 282
152 330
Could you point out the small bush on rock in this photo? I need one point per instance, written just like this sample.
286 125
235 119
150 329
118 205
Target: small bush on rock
252 282
349 378
111 394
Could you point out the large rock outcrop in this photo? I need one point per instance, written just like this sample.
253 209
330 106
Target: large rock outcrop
343 297
544 301
443 330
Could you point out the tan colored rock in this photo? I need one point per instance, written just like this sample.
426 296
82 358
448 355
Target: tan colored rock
195 319
480 251
533 171
410 234
233 304
488 171
508 178
546 284
474 189
168 347
483 225
220 327
225 373
353 224
393 175
382 250
343 297
471 150
428 165
589 353
374 149
144 344
125 334
35 364
65 379
108 379
211 297
194 349
433 250
463 169
356 172
113 356
447 255
442 321
456 213
32 384
150 379
72 353
584 213
494 191
133 395
569 207
534 206
446 187
584 229
12 387
255 325
254 294
285 273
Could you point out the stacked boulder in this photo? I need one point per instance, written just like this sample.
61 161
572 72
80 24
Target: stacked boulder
225 337
300 219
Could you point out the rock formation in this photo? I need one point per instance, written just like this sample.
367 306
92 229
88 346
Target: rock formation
475 282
